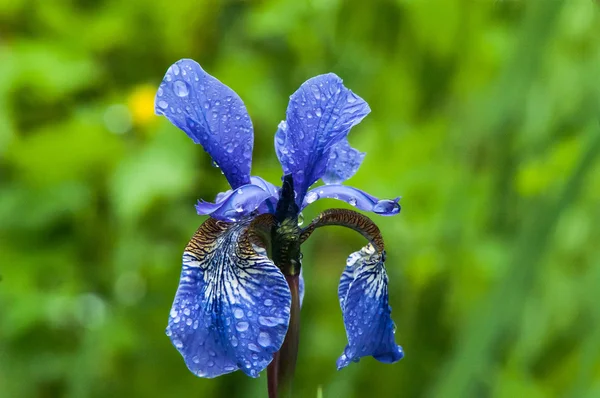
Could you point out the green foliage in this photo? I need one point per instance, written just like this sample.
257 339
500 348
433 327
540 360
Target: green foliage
484 118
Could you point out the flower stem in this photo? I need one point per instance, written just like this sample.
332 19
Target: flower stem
280 373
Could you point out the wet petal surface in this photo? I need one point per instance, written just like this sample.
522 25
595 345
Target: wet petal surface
343 163
363 295
320 115
234 204
355 197
211 114
232 307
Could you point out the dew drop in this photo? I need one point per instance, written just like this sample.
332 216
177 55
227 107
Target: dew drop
352 201
253 347
181 88
242 326
300 219
311 197
188 321
264 339
163 104
268 302
175 69
318 112
238 313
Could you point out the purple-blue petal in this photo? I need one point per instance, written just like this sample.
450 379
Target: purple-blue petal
363 295
232 307
266 185
320 115
211 114
354 197
270 204
234 204
343 163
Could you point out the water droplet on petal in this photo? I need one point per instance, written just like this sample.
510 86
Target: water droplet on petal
242 326
238 313
253 347
264 339
163 104
318 112
300 219
352 201
311 197
181 88
268 302
175 69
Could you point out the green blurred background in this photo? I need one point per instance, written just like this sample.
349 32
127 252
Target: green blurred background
484 118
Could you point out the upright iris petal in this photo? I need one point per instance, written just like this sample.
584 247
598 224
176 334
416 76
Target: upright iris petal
211 114
320 115
343 162
363 295
232 307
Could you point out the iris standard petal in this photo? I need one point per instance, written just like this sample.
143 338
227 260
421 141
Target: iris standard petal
343 163
235 204
320 114
354 197
232 307
363 295
211 114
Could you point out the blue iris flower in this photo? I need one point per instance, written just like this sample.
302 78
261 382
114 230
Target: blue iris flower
233 305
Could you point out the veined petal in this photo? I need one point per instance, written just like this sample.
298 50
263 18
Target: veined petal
343 163
211 114
363 295
234 204
354 197
320 114
232 307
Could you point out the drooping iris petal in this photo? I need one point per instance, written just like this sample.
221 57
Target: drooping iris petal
363 295
235 204
343 162
320 114
232 307
211 114
301 287
354 197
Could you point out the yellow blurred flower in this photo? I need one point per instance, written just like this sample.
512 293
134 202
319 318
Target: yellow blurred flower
141 104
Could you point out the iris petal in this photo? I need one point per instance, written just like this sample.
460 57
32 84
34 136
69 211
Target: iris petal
234 204
363 295
232 307
354 197
343 163
320 114
211 114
